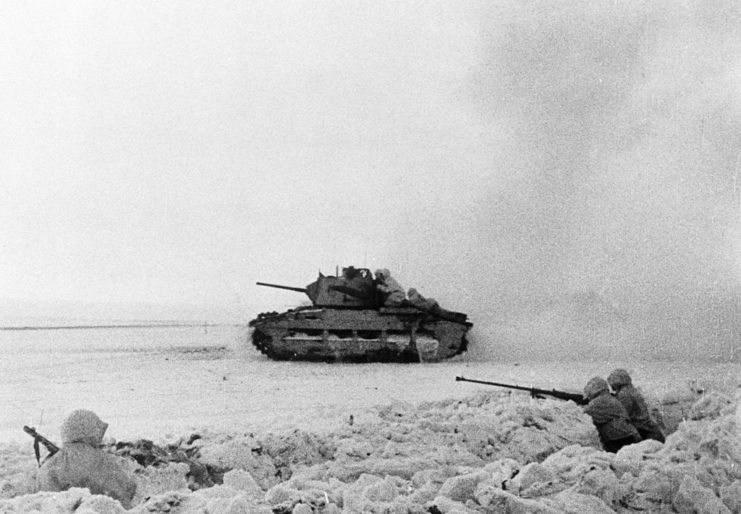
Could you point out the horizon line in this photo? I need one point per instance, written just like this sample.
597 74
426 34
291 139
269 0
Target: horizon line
127 325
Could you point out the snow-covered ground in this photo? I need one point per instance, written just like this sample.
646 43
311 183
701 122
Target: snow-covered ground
163 384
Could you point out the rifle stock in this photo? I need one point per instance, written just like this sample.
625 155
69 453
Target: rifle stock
534 391
40 439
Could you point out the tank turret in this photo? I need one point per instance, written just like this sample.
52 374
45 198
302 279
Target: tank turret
348 322
354 289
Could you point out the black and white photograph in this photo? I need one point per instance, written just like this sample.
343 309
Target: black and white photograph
370 256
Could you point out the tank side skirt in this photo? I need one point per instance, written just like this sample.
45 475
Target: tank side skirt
332 335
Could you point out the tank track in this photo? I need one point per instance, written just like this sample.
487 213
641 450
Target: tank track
277 344
263 343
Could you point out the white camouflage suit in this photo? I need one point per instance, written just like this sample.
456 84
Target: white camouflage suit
81 463
391 289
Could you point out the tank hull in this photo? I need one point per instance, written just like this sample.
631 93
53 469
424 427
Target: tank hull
403 334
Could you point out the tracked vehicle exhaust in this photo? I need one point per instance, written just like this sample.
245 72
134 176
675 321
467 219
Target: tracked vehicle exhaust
348 323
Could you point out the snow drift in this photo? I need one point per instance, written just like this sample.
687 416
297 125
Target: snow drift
489 452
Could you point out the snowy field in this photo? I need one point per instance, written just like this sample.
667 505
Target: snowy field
156 382
166 383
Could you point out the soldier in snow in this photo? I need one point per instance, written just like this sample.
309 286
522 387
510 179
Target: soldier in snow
609 416
634 404
82 463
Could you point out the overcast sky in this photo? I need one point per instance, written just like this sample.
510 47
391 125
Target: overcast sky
178 151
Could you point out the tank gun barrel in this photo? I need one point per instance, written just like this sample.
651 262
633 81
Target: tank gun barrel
277 286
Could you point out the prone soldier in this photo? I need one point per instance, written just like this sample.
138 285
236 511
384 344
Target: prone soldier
634 404
609 416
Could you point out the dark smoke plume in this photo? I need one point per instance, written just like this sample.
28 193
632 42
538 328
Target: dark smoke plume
610 224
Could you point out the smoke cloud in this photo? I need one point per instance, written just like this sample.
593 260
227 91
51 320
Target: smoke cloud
609 221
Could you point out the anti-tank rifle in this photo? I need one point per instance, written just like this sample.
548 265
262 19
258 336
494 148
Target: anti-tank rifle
534 391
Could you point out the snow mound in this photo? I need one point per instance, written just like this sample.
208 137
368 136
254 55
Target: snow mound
490 452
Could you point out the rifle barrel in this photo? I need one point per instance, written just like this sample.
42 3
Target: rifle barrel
499 384
534 391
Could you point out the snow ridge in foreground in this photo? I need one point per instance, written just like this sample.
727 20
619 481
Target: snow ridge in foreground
490 452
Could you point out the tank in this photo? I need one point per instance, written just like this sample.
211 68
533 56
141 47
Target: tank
347 322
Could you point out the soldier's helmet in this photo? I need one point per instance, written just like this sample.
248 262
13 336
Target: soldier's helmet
618 378
382 273
83 426
595 387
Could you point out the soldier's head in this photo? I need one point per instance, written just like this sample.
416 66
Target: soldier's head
83 426
382 273
618 378
595 387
